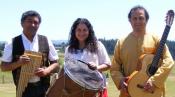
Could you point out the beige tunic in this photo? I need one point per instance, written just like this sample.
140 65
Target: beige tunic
126 58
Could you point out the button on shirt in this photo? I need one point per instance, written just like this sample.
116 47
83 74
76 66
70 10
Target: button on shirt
32 46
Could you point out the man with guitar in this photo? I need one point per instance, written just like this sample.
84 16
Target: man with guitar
129 55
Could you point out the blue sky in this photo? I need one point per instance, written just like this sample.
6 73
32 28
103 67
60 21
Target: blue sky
108 17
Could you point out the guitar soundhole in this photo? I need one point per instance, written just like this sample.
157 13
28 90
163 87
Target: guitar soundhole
140 86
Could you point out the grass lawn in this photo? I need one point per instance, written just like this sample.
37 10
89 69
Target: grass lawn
170 88
8 89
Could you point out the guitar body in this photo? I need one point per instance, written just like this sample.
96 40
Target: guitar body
140 78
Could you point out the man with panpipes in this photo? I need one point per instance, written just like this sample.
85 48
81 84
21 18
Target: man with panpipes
31 58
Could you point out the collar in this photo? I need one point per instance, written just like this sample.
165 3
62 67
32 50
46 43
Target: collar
26 39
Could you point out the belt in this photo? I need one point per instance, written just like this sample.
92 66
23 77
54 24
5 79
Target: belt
34 84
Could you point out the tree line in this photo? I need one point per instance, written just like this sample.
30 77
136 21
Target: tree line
109 45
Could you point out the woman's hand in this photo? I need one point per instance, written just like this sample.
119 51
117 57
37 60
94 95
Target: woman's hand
92 66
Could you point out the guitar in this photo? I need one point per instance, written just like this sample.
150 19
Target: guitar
150 64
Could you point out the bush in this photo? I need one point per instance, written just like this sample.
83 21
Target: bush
1 53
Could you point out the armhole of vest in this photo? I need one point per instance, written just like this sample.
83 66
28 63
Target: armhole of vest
47 43
44 38
14 42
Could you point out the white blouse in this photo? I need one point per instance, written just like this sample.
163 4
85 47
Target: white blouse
101 57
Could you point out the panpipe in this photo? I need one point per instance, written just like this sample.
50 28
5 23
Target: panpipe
27 70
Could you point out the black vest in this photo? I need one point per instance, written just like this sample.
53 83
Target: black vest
18 50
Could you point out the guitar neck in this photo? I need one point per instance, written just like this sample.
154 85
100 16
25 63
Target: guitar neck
154 65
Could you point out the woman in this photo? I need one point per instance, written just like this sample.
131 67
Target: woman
84 46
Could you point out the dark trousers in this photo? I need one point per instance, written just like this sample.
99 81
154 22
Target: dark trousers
35 90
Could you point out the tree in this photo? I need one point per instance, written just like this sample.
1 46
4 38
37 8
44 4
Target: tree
171 46
2 45
109 45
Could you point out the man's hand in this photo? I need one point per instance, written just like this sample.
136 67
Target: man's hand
149 86
92 65
124 86
42 72
23 59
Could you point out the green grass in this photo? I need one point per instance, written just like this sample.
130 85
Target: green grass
170 86
5 77
61 59
8 89
112 90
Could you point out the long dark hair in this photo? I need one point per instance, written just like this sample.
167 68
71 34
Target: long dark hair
90 42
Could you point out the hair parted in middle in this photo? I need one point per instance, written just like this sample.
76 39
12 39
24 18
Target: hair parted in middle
90 42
